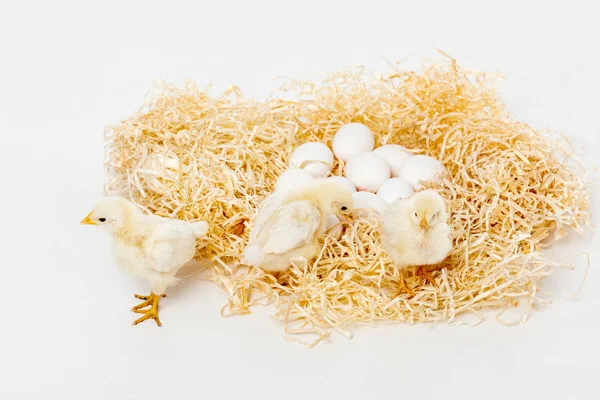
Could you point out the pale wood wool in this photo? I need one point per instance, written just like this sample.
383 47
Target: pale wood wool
508 188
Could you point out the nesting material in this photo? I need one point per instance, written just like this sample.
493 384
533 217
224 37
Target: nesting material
510 192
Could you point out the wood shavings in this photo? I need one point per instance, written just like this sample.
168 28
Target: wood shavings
187 155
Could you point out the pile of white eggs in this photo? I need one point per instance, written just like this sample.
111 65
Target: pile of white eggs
375 176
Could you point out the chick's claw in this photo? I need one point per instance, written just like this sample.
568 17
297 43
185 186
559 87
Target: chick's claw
151 296
403 287
149 301
424 277
150 313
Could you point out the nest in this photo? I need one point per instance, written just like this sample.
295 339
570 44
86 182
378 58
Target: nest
510 191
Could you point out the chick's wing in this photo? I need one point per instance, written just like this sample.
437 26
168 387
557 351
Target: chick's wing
168 247
291 226
266 209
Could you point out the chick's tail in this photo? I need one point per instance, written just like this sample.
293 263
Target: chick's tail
253 256
200 228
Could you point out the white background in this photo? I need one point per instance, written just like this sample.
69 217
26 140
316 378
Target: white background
69 68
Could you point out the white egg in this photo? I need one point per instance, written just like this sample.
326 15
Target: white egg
367 171
292 179
352 139
395 155
395 188
344 181
368 201
314 157
421 168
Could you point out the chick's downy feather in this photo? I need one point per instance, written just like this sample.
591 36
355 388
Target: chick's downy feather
148 245
415 230
288 226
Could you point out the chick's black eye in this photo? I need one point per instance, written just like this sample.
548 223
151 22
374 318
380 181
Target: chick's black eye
416 215
344 208
102 219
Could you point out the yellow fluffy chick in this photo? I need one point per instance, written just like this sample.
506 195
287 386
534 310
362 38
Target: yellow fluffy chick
147 245
415 232
288 226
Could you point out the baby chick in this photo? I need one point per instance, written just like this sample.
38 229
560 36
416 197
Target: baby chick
147 245
288 225
415 232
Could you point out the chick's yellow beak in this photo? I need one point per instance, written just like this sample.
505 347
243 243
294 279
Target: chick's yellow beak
345 218
424 224
87 220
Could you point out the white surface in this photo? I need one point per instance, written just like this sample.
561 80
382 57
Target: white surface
69 68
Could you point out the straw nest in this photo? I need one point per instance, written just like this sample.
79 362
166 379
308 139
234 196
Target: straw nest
510 192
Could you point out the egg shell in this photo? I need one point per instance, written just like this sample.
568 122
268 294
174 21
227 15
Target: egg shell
421 168
160 167
344 181
395 155
395 188
368 201
352 139
367 171
313 157
292 179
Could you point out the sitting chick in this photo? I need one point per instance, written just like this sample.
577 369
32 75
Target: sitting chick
147 245
289 226
415 232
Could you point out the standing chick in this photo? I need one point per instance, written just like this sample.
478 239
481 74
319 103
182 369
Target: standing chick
415 232
147 245
289 226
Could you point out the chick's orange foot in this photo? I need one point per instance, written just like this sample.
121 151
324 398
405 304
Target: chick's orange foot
149 299
403 287
424 276
149 313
